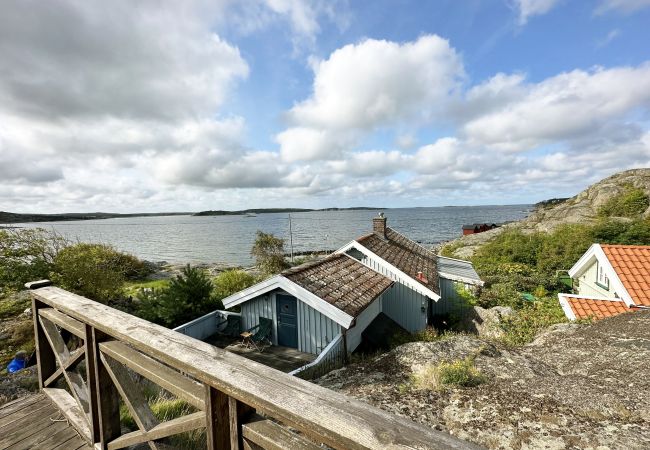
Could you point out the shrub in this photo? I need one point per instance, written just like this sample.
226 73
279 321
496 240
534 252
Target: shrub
232 281
188 296
268 252
460 373
92 270
27 255
522 327
631 202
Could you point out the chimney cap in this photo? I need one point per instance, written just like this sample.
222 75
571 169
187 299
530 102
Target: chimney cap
381 214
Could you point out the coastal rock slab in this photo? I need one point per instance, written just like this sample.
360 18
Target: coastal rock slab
575 387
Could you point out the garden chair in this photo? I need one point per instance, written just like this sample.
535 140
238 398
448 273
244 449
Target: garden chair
259 335
232 328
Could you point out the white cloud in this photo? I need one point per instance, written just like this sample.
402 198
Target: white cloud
524 116
368 85
623 6
530 8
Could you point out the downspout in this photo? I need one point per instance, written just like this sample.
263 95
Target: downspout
345 345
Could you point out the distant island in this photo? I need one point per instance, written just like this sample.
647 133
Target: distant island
9 217
280 210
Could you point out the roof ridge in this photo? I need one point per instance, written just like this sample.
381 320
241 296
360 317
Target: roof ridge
625 245
309 264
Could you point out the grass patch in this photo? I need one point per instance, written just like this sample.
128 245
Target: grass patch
448 250
459 373
165 409
12 306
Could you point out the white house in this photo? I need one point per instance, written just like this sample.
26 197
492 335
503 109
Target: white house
609 280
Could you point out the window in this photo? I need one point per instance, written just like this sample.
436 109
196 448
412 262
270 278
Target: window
602 280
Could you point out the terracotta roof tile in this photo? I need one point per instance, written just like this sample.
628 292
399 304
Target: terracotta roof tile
406 255
632 265
585 307
341 281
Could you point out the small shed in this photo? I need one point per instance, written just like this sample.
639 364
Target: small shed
313 303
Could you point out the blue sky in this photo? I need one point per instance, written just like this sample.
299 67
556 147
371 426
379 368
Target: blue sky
268 103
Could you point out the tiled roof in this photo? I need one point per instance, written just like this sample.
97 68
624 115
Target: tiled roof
585 307
341 281
406 255
632 265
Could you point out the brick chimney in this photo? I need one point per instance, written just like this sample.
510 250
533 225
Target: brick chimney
379 225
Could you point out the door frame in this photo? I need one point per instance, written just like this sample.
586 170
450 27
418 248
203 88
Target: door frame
278 322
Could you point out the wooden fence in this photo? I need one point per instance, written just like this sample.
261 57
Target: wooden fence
332 357
239 403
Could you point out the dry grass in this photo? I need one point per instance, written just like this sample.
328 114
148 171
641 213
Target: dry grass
435 377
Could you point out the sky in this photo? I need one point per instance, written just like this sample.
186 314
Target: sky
154 106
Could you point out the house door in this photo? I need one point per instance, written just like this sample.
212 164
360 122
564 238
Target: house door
287 320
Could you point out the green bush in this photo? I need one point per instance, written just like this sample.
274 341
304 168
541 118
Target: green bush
95 271
522 327
27 255
268 252
232 281
460 373
631 202
188 296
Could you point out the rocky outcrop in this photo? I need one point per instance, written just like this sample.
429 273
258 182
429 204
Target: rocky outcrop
582 208
484 322
575 386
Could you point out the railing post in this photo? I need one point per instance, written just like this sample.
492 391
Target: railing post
217 419
45 360
104 398
224 418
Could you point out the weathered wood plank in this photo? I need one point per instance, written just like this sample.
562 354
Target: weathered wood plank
75 357
20 403
238 412
62 355
21 429
165 377
272 436
91 352
131 395
70 410
45 360
52 440
106 397
26 411
73 326
39 435
217 419
163 430
323 415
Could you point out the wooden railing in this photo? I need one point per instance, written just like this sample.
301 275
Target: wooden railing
205 326
239 403
332 357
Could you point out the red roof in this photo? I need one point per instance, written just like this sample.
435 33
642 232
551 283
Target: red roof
632 265
586 307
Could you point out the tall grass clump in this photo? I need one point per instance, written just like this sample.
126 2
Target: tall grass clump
459 373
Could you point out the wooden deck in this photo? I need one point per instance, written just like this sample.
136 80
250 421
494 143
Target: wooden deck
284 359
280 358
34 422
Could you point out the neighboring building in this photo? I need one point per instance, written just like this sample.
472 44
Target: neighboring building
609 280
478 228
426 284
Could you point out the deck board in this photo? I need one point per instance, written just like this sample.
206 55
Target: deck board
34 422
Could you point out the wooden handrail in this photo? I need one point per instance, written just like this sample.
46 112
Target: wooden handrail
234 385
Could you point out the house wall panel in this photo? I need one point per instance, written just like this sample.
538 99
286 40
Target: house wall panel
315 330
353 335
449 301
262 306
587 284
